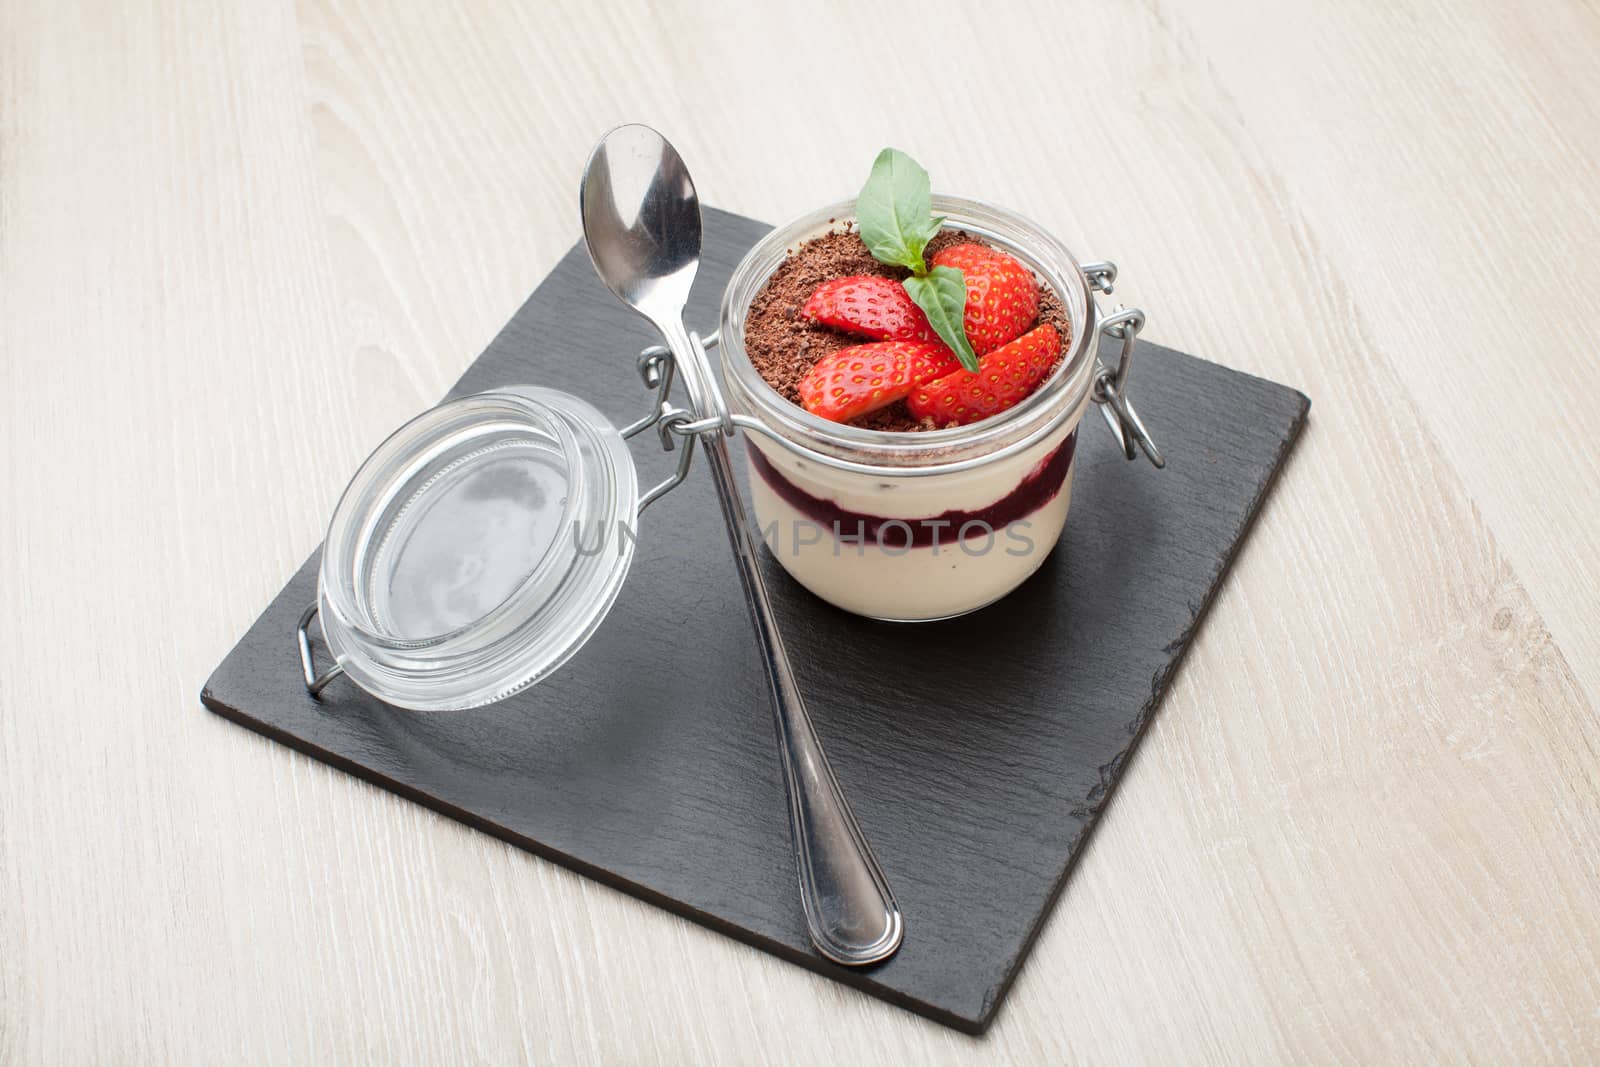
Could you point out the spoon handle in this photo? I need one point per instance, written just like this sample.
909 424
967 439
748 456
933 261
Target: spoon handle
849 908
848 905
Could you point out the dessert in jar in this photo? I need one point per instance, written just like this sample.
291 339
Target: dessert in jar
918 366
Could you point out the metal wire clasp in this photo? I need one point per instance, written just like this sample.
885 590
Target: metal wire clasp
315 683
657 369
1111 386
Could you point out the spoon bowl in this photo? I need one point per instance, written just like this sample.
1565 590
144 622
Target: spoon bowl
641 221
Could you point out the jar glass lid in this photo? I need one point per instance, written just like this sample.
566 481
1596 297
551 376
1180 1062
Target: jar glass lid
478 548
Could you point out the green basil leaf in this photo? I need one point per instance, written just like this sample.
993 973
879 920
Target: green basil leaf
894 211
942 296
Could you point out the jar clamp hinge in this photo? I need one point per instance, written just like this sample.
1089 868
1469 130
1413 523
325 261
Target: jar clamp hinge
1111 386
657 369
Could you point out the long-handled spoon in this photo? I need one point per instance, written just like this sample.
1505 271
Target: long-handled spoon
641 221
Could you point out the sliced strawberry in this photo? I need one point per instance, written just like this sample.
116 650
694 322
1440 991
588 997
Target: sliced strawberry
868 306
1005 376
1002 298
863 378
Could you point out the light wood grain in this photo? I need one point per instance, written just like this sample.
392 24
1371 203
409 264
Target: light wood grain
240 242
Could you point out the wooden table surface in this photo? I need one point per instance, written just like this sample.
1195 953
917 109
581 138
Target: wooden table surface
239 242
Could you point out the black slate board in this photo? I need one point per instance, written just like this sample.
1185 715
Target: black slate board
977 753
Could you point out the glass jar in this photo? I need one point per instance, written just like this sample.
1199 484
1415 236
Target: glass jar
485 540
920 526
